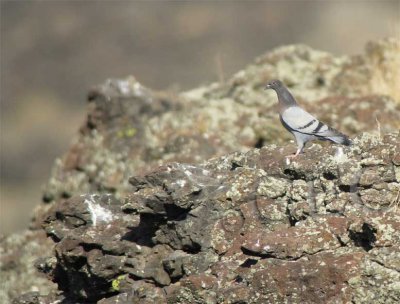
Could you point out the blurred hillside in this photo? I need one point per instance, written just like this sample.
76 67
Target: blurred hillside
53 52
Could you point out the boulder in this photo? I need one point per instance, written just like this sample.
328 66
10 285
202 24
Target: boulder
188 198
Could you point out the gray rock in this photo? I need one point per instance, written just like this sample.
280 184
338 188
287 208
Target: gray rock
137 214
218 239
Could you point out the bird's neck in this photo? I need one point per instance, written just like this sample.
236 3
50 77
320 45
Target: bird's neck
285 97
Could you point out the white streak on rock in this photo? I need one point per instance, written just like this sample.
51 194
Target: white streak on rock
98 213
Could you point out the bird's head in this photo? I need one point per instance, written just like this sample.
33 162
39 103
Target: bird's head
274 84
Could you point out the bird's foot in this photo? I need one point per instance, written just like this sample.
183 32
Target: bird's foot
292 156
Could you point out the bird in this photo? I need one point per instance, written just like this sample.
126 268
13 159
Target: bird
303 126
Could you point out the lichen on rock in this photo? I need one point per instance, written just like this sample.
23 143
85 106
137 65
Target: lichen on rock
188 236
188 198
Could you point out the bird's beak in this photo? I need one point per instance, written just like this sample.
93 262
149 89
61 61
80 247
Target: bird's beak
268 86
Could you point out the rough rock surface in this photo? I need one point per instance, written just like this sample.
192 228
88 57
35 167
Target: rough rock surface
130 128
18 256
192 233
243 228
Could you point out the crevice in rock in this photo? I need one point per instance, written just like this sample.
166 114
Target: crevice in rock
194 248
259 143
235 165
384 266
256 254
90 246
238 279
145 231
329 176
320 81
273 256
293 174
196 192
175 279
365 239
248 263
53 237
349 188
65 194
175 213
342 244
364 187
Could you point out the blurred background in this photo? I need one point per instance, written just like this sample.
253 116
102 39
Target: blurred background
52 52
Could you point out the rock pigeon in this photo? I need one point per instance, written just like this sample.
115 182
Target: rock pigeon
300 123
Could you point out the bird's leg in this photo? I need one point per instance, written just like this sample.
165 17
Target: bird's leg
299 150
294 155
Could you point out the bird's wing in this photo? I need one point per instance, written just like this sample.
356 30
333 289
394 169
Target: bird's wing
301 121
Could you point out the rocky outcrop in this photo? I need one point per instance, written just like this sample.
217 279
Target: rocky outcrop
136 212
243 228
130 128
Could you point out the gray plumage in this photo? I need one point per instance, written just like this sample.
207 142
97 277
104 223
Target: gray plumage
300 123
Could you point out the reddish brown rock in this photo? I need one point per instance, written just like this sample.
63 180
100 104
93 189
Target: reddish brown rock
290 243
321 278
171 214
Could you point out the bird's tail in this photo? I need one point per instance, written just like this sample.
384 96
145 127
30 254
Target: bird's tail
346 141
340 138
